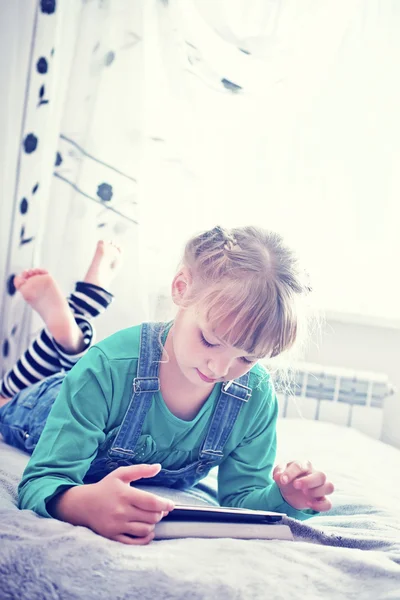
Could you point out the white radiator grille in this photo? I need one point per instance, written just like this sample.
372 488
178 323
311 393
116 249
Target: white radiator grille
342 396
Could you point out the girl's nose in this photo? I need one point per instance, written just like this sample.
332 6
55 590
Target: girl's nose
219 367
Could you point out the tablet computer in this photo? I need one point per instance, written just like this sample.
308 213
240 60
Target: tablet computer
222 514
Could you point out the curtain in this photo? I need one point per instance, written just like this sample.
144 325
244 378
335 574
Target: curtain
145 121
79 134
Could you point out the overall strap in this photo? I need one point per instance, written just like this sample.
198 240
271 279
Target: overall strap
145 385
234 394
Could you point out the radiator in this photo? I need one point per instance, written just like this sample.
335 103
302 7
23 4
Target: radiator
342 396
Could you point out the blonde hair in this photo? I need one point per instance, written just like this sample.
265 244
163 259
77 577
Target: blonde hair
248 282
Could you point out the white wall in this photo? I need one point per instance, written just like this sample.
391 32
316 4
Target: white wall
365 347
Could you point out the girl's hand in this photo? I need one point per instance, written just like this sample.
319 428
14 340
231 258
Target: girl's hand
120 512
302 487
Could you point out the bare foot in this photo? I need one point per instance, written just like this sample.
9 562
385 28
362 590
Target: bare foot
104 265
42 293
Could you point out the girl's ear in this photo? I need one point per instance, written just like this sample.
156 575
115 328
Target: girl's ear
181 285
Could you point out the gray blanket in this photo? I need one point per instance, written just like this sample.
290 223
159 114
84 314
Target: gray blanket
352 552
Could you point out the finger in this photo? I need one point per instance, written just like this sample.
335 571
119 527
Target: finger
132 541
149 502
294 470
320 504
310 481
320 491
277 473
136 529
135 472
144 516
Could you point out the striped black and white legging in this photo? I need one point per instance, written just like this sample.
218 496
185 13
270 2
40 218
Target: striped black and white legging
44 355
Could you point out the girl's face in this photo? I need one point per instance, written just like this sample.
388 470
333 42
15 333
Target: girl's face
201 355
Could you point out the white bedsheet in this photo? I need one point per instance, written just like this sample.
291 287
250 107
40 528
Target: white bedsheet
352 552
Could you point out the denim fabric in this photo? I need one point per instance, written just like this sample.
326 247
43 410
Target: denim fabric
23 418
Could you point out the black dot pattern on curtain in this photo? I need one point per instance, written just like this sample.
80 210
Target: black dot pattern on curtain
42 93
48 7
232 87
58 160
22 239
42 66
6 348
23 206
105 192
109 58
10 285
30 143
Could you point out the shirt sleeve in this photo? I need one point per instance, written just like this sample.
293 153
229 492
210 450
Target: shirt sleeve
245 476
73 432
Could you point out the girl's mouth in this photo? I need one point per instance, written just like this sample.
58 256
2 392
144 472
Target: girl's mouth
205 378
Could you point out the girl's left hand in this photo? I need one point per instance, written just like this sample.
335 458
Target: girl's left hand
302 487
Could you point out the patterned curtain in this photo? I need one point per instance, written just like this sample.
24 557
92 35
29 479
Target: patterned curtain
77 167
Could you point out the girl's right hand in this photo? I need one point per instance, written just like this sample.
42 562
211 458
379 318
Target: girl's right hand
123 513
114 509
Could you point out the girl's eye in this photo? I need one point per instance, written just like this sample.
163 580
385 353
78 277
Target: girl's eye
203 339
247 361
207 343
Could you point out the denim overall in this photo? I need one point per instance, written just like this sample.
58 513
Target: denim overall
123 449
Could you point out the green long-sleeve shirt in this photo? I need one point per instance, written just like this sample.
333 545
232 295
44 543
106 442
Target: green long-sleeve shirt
92 403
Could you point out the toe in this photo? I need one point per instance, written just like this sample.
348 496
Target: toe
36 271
19 280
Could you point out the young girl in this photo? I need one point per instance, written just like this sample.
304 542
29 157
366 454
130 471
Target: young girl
164 403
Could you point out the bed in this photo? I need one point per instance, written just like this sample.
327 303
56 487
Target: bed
351 552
